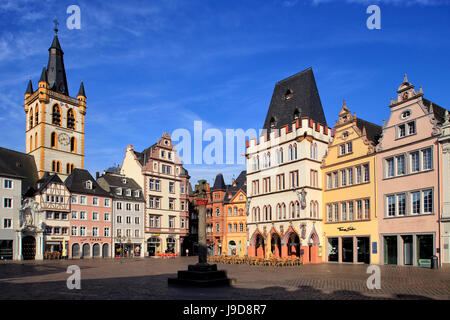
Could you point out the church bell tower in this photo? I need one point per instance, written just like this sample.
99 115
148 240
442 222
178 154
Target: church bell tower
55 120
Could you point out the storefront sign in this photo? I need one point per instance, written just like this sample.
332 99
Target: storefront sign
346 229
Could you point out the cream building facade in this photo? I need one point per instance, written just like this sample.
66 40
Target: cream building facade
284 185
164 181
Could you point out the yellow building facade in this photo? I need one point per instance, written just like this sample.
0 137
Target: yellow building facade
350 227
235 234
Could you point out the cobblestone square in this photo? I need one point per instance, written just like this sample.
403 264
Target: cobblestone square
142 279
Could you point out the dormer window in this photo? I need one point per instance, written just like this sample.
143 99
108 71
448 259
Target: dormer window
89 185
128 192
273 123
119 191
124 181
345 134
136 193
288 94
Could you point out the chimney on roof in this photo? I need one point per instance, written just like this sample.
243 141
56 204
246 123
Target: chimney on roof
97 175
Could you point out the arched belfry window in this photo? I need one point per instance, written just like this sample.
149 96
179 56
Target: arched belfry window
31 119
53 139
36 116
288 94
56 115
70 119
73 144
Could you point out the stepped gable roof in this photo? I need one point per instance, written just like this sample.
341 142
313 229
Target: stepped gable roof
295 96
76 183
19 165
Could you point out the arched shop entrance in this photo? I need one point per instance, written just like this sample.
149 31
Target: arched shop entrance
86 252
105 250
96 250
170 245
28 248
153 245
293 245
232 248
275 245
75 251
260 247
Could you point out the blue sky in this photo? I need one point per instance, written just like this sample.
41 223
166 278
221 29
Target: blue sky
155 66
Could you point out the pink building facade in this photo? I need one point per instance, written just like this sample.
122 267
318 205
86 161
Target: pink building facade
408 175
90 217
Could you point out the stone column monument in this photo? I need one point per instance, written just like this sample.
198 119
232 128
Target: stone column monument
201 274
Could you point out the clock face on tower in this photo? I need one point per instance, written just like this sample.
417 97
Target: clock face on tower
63 139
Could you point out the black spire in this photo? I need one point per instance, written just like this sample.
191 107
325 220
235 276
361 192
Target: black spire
29 88
81 91
43 75
56 73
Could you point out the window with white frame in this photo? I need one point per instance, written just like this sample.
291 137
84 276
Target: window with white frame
73 199
95 201
73 215
427 159
73 231
106 232
83 215
95 216
7 184
106 217
83 200
7 223
415 161
95 232
7 203
119 219
350 176
171 222
136 207
344 211
128 206
136 220
107 203
82 231
366 173
119 205
128 220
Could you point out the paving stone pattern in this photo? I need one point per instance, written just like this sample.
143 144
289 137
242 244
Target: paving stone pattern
138 279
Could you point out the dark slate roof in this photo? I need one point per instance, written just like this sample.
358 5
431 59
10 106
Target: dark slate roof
439 112
29 88
43 75
46 179
113 170
111 181
144 155
305 99
56 73
19 165
81 92
373 131
239 184
76 183
219 183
